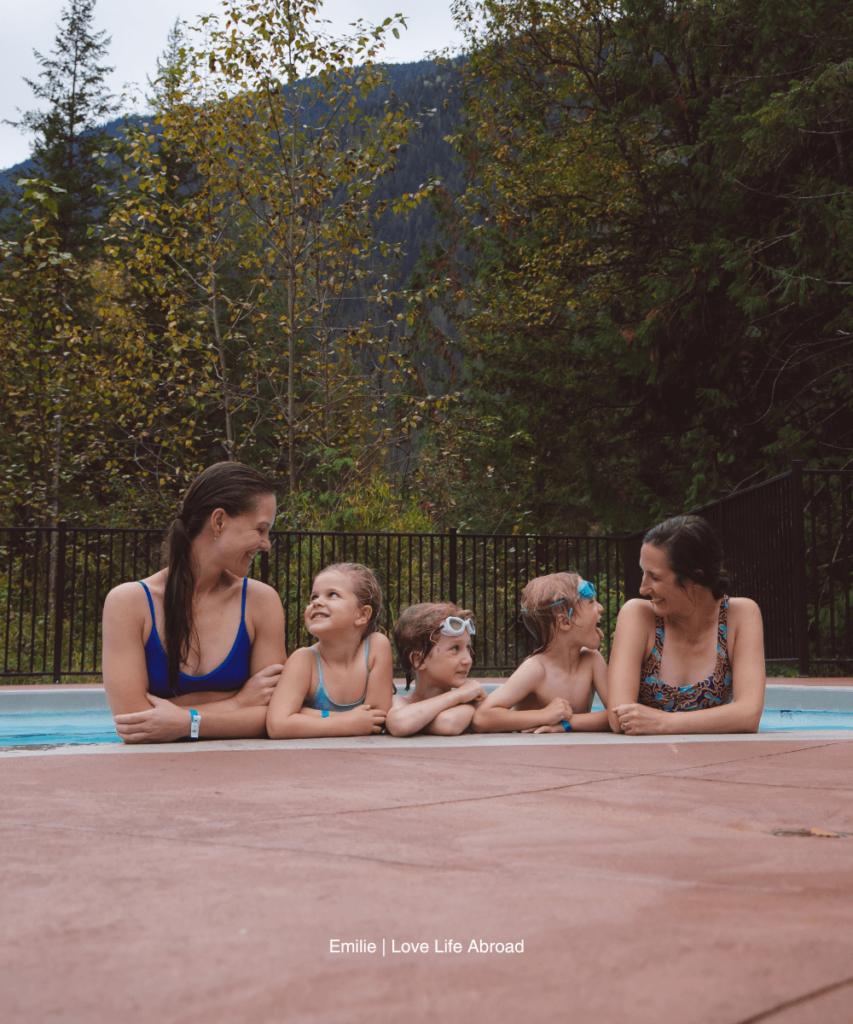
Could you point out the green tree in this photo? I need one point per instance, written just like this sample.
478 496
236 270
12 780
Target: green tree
647 276
256 280
70 144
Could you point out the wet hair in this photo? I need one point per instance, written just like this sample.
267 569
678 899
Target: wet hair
227 485
536 601
366 588
693 552
413 632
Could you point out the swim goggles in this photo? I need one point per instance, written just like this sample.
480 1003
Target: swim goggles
586 591
454 626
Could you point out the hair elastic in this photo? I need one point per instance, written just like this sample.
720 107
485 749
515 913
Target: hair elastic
567 726
195 722
324 713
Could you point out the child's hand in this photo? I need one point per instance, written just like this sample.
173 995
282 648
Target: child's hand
258 689
556 711
471 692
366 720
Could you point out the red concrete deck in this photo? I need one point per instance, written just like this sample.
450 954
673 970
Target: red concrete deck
202 885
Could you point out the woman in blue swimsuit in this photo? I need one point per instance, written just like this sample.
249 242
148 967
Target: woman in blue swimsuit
689 659
196 649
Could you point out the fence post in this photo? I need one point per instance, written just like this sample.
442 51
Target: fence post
801 609
452 596
59 601
265 566
631 545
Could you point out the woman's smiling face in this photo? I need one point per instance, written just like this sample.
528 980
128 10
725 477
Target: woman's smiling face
660 583
240 538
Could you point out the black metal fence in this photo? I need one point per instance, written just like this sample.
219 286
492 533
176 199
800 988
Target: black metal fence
788 544
53 583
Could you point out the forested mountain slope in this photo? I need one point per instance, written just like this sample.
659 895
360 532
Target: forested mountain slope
426 90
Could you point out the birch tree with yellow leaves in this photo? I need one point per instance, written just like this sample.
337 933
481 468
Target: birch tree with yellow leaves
257 274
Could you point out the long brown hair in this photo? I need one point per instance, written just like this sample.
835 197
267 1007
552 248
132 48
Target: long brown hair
226 485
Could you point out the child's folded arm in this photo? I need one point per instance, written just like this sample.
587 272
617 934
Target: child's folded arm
450 712
495 714
451 722
409 718
594 721
286 718
499 719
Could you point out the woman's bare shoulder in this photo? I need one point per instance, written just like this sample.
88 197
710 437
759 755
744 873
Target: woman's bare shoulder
743 611
262 595
637 611
127 599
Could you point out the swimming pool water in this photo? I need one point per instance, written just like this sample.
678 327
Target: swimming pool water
52 728
55 728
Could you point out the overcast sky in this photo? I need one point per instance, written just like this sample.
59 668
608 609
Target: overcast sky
139 31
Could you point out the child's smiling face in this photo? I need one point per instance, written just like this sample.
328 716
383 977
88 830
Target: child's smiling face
586 616
333 604
448 662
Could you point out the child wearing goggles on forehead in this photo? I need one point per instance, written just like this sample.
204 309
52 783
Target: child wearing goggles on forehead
552 690
433 642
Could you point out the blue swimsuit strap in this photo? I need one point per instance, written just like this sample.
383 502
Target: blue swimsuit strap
321 686
150 605
154 620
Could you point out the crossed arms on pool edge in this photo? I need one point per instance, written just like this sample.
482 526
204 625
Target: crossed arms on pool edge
343 685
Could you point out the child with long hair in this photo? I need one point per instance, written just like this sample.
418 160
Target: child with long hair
433 642
198 633
343 684
552 690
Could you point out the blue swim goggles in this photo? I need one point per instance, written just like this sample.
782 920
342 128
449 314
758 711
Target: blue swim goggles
586 591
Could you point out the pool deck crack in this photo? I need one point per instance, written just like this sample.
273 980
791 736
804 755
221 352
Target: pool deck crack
798 1001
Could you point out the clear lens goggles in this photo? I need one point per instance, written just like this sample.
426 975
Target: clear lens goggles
454 626
586 591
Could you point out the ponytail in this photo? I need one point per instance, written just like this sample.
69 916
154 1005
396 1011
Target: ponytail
233 488
178 600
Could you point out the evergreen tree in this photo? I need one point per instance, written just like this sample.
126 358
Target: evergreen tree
70 144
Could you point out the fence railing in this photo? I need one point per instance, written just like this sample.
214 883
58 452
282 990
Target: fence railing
788 544
53 583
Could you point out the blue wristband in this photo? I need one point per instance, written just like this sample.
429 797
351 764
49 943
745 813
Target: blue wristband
324 714
195 722
567 726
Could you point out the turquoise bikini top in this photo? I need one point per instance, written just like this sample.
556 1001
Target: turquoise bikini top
321 701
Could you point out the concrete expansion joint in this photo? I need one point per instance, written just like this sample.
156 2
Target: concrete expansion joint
768 1015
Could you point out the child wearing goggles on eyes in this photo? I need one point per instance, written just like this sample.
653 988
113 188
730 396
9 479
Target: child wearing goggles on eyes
552 690
433 642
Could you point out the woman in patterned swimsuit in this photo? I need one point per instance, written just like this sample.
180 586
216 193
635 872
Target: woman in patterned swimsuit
688 630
